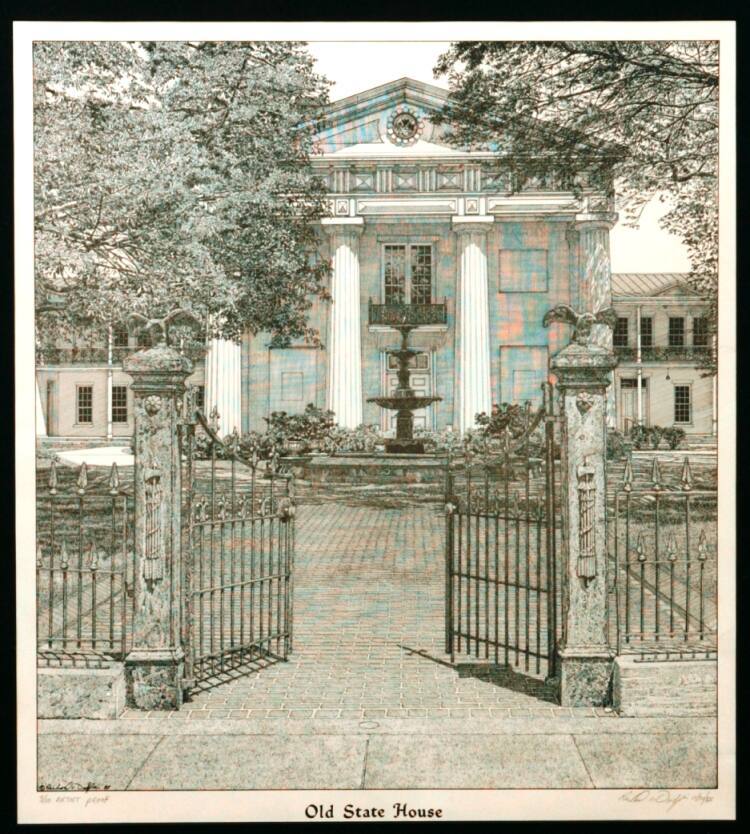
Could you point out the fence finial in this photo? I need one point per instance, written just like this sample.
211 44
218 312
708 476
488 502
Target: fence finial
627 481
53 478
671 549
656 474
93 555
64 558
702 547
640 550
83 479
114 479
687 475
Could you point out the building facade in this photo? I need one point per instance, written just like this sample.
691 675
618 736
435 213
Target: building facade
419 232
660 338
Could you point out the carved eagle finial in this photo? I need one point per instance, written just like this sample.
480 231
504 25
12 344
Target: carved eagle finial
581 322
158 329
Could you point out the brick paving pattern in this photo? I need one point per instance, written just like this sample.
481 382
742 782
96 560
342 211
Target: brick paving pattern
369 631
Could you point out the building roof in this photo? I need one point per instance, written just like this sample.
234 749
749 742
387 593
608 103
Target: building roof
649 284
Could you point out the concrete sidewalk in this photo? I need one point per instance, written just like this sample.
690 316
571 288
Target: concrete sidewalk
164 754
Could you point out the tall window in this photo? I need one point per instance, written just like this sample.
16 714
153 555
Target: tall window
682 403
119 403
647 331
407 273
620 335
200 397
85 404
120 336
676 331
700 331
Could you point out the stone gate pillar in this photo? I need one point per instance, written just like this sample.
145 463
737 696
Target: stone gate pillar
583 372
154 666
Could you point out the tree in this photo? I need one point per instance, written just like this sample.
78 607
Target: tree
645 112
176 175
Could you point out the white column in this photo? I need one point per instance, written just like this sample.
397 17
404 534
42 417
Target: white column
224 383
639 359
344 389
109 384
474 392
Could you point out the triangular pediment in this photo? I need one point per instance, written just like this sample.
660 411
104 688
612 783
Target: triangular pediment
391 120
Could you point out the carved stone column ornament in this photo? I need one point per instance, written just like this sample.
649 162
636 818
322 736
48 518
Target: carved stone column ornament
154 666
583 371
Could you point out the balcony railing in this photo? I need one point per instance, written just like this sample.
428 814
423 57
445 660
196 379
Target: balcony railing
664 353
393 315
100 355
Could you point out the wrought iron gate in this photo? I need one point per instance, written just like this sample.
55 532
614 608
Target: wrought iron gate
503 530
238 555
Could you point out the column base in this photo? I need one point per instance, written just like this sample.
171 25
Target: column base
585 677
153 678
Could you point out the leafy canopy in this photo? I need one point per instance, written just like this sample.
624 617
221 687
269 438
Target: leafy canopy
645 112
176 175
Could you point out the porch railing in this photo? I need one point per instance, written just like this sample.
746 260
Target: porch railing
663 353
414 314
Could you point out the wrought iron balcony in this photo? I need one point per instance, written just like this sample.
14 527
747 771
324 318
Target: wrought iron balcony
99 355
664 353
391 315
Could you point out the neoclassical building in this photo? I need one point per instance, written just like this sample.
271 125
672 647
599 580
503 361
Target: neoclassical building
419 231
424 232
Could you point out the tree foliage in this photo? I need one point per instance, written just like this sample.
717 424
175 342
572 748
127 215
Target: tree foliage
645 111
176 174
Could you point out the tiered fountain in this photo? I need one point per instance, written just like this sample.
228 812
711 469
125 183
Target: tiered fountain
404 401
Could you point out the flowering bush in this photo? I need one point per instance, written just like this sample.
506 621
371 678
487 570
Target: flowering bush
362 439
312 426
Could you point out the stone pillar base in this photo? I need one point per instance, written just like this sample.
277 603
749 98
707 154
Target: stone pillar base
154 678
585 678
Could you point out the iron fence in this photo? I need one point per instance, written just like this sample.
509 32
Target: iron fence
238 555
85 561
503 525
663 551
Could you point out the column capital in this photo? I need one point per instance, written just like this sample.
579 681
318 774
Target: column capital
472 223
343 225
595 220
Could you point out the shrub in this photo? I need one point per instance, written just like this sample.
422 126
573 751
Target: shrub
509 416
362 439
617 445
655 434
638 436
674 436
312 426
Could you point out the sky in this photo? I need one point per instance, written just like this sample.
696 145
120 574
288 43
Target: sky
355 66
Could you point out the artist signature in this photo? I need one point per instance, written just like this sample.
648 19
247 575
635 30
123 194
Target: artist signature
670 799
73 786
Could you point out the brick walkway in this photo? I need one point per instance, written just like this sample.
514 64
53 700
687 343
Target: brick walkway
368 632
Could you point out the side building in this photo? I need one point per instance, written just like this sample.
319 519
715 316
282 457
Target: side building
660 339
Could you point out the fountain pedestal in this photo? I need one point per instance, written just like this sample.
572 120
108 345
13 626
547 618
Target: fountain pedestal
404 402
